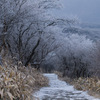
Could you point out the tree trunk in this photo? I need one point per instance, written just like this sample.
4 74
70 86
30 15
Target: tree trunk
33 51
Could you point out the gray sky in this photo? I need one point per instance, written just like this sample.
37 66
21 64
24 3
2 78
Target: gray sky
86 10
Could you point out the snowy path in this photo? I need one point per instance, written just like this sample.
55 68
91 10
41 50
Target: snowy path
60 90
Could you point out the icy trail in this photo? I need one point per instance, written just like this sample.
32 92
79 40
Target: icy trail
60 90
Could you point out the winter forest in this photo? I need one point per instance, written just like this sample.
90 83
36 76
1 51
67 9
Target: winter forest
34 41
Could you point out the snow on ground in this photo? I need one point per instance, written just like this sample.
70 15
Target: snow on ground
60 90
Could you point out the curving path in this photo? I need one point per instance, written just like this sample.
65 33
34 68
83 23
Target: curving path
60 90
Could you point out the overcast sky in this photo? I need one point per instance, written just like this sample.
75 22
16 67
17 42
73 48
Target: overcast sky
86 10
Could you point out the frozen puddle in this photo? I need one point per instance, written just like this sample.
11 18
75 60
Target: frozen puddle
60 90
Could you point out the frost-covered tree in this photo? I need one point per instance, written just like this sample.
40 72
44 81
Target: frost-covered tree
75 55
26 23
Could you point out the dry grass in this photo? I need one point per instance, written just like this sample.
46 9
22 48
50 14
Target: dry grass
92 85
18 82
58 73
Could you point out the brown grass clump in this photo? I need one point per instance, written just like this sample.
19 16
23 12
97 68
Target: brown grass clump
60 76
92 84
18 82
58 73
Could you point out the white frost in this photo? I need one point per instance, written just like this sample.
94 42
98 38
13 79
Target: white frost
60 90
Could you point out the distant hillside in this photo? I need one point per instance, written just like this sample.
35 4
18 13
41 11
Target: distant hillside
87 25
91 31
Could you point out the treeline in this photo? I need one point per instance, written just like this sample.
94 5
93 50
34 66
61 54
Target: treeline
25 30
30 35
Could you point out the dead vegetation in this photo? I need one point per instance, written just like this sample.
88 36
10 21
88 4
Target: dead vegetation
18 82
92 84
